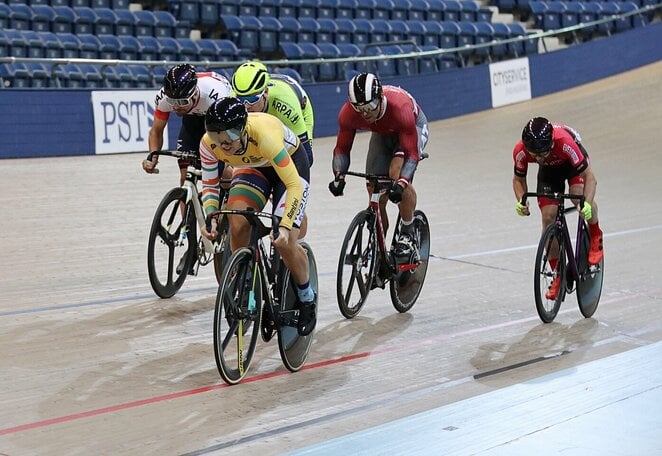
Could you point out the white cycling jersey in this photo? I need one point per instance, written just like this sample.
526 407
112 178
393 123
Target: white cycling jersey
212 86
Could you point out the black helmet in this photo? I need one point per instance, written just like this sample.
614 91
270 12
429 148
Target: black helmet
180 81
364 88
226 114
537 135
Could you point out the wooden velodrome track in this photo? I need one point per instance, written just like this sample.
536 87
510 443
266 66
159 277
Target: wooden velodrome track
94 363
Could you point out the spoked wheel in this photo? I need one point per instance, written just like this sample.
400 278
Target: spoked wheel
293 347
408 281
589 286
356 266
172 245
223 256
544 276
237 316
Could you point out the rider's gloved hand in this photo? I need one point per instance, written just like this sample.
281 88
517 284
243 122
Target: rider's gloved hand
396 191
337 186
587 211
522 209
150 165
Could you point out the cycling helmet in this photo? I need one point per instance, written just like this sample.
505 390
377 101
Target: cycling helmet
537 135
250 78
364 88
226 114
180 81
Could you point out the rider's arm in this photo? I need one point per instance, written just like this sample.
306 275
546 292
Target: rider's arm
520 186
344 141
155 140
590 184
288 174
210 181
409 146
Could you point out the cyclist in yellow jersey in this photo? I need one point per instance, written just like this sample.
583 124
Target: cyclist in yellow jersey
278 95
268 159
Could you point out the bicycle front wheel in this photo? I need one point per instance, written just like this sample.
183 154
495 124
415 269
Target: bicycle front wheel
356 266
589 285
293 347
544 275
407 284
237 316
172 245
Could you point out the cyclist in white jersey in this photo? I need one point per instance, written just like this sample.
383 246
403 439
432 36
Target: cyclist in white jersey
188 94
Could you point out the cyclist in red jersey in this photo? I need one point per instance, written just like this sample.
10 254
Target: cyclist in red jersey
560 156
399 135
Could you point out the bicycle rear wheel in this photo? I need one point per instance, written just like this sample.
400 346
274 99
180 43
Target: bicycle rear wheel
356 266
223 256
544 275
407 284
172 245
589 286
293 347
237 316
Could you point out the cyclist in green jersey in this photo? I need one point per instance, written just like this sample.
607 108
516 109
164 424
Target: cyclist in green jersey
278 95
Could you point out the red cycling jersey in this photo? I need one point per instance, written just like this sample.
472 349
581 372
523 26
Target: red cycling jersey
399 119
565 150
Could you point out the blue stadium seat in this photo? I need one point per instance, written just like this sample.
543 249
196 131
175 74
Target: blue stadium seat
14 75
129 48
362 31
52 44
120 4
417 31
189 50
166 24
269 8
85 21
291 51
484 14
308 31
468 11
250 30
145 23
405 67
39 74
627 23
209 10
553 15
385 68
100 4
18 46
329 71
106 21
501 31
70 75
307 8
381 31
326 9
229 50
450 32
433 33
20 17
345 31
126 80
42 18
209 49
110 77
418 10
5 12
538 9
288 8
435 11
169 48
428 64
186 10
345 9
90 46
71 45
609 8
4 44
310 71
110 47
92 77
529 46
399 30
290 73
382 10
467 37
289 29
149 48
592 11
36 46
452 11
126 23
399 9
572 13
232 26
72 3
249 7
158 73
269 33
142 77
447 61
327 31
364 9
485 34
348 50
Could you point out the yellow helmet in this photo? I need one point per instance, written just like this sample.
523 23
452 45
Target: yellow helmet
250 78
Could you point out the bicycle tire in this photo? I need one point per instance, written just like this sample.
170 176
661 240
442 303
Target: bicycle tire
543 275
223 256
294 347
234 321
589 285
406 286
166 229
357 264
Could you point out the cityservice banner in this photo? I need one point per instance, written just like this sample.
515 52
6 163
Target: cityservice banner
510 82
122 120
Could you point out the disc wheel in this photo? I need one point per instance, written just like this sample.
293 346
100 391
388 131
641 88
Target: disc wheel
237 316
356 266
293 347
551 239
589 286
407 284
172 245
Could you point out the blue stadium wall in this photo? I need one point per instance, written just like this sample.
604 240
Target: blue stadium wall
38 123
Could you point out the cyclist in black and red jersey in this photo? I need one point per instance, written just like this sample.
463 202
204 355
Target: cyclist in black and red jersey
561 156
399 135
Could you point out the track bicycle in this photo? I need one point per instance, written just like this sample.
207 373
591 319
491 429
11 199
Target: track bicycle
175 249
257 295
365 263
573 267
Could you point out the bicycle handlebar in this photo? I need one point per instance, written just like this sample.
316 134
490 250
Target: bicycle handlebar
252 217
556 196
379 178
173 153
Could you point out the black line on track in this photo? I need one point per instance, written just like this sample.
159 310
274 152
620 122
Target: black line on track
518 365
473 263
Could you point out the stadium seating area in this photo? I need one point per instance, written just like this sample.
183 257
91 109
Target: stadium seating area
234 30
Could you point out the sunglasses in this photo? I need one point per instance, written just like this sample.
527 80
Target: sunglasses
179 101
251 99
365 107
233 133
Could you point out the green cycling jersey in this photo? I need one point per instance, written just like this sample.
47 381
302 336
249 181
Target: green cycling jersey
290 103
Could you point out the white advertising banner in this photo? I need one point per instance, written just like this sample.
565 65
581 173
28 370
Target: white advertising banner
122 120
510 81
